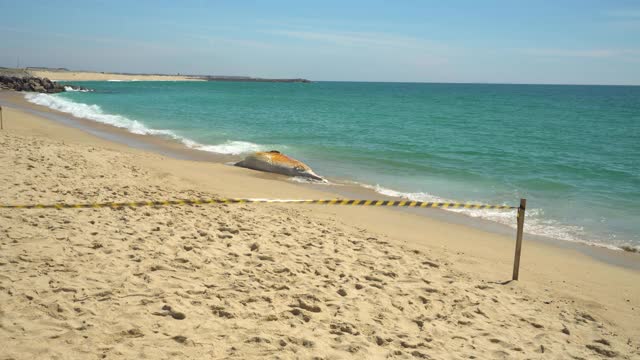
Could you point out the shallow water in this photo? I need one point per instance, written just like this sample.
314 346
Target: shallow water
572 151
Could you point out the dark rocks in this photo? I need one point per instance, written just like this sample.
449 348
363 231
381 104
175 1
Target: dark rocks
36 84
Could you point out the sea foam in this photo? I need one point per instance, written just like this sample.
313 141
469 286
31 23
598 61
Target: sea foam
229 147
95 113
536 223
70 89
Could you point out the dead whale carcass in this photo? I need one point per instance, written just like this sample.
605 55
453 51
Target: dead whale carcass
275 162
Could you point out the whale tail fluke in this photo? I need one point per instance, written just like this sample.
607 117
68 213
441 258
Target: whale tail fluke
314 176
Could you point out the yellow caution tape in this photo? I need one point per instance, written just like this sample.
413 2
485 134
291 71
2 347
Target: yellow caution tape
395 203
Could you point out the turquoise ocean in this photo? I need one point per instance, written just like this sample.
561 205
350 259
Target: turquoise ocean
572 151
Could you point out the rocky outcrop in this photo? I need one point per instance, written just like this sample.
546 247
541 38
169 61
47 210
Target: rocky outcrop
30 84
36 84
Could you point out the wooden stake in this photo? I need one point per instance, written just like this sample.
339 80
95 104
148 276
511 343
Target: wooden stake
1 124
516 259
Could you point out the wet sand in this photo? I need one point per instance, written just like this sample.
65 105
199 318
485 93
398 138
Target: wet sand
259 280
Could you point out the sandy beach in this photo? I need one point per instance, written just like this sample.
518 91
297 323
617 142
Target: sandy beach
266 280
105 76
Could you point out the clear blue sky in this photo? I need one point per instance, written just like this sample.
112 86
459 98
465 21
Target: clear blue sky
510 41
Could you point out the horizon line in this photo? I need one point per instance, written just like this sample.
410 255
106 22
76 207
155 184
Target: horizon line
62 69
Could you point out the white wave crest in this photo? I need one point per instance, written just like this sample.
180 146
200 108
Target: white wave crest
418 196
229 147
536 224
91 112
70 89
95 113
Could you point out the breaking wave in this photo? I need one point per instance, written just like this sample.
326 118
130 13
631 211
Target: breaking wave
70 89
229 147
95 113
536 224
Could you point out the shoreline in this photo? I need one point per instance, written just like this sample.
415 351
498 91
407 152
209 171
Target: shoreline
343 281
341 187
82 75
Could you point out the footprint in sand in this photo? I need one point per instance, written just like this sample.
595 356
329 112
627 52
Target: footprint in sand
168 311
180 339
221 312
602 351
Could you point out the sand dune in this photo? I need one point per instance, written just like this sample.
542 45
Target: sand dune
242 281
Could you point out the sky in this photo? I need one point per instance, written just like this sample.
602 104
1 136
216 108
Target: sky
489 41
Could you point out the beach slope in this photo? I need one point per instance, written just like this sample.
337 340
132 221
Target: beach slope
261 280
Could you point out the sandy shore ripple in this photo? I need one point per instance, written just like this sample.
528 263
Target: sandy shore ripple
242 281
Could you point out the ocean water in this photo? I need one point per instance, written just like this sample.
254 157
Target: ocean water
572 151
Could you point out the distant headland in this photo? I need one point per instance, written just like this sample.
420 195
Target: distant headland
63 74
